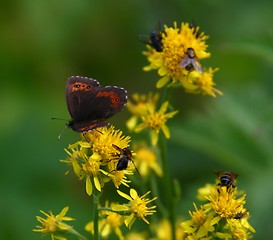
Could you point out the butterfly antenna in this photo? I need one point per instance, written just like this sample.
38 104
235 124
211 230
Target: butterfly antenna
59 136
66 125
53 118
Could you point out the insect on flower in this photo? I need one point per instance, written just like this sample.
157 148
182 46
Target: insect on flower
155 39
227 179
241 215
190 61
125 157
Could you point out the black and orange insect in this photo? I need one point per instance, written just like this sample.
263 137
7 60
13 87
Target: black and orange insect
227 179
124 158
190 61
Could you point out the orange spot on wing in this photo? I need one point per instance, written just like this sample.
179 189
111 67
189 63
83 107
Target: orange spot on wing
114 98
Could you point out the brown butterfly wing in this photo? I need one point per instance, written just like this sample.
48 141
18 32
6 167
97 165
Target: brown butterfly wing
90 105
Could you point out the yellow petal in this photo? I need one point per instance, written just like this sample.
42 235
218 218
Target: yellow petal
119 207
154 137
131 123
76 168
140 127
162 71
130 220
162 82
97 183
166 131
84 144
163 107
124 195
95 156
63 212
133 193
88 186
105 231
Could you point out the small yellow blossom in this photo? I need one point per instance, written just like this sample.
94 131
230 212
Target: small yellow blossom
102 140
94 159
200 83
54 224
110 222
175 43
146 160
223 216
138 106
156 121
137 207
164 231
225 203
136 236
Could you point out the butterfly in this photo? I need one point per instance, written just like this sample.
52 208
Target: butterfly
90 105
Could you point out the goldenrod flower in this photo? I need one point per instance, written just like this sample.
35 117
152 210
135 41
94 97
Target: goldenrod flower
200 83
224 202
163 230
146 160
54 224
135 236
224 216
102 140
137 207
94 158
175 44
111 222
156 121
138 106
201 223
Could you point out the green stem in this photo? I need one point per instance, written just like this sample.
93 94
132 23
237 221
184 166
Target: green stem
74 232
154 186
96 214
168 184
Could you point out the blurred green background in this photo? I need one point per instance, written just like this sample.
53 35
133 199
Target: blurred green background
44 42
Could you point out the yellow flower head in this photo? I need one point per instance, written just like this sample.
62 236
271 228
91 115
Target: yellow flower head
54 224
156 121
146 160
164 231
137 207
136 236
95 158
200 83
102 140
176 41
111 222
225 203
223 216
138 106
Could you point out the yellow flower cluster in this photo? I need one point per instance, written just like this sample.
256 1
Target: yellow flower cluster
119 214
95 158
144 108
178 62
54 225
223 216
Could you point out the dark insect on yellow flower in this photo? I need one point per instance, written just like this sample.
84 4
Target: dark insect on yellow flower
239 215
227 179
125 157
155 39
190 61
